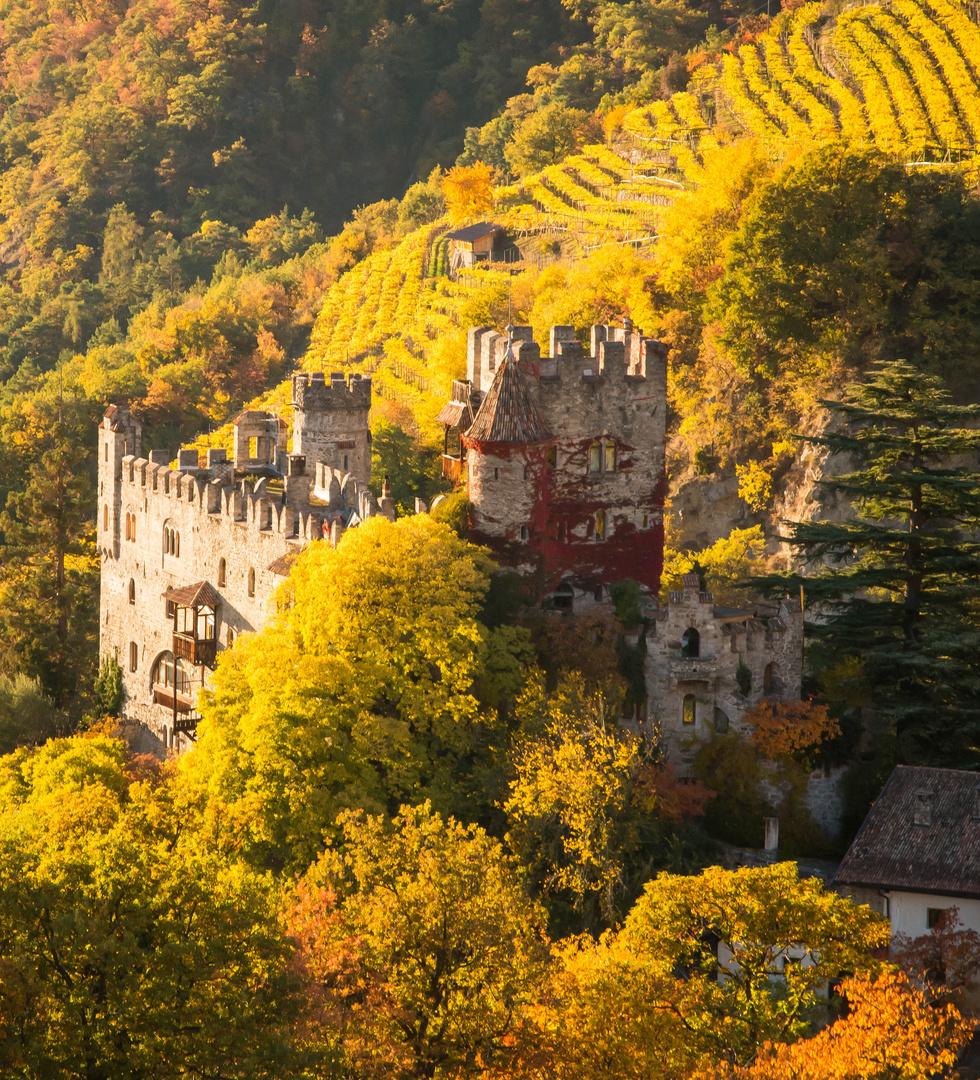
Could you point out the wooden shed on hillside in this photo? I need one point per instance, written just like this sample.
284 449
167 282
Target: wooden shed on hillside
475 243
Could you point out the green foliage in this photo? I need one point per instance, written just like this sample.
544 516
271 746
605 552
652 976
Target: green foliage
729 765
896 584
410 468
359 693
743 676
108 687
454 511
627 598
27 715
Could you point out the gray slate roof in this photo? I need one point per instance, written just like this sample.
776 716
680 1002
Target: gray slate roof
892 852
509 412
474 232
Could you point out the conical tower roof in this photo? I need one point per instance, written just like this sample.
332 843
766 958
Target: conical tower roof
509 412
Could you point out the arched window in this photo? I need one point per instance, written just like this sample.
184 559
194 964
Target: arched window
691 643
134 655
600 524
767 680
132 591
166 675
609 458
595 457
222 569
251 582
690 709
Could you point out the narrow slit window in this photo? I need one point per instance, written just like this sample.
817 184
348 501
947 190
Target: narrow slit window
609 464
600 525
222 570
132 591
251 582
552 458
134 655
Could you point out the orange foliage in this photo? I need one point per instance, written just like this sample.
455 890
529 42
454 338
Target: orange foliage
468 190
948 956
672 800
782 728
892 1032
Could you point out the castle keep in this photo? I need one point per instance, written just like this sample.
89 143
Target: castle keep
563 455
192 554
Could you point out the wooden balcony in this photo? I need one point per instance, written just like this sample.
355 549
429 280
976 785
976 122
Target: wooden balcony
195 650
164 695
453 469
187 725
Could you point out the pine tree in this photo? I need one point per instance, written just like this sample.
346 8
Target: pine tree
897 587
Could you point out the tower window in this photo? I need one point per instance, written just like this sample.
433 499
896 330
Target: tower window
132 591
134 654
600 525
222 570
107 451
609 462
496 474
105 516
251 582
523 532
552 458
595 457
691 643
345 463
690 707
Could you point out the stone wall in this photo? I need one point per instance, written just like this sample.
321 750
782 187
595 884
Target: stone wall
161 529
546 508
772 652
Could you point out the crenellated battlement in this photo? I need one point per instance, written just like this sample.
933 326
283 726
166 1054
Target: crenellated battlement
614 353
315 391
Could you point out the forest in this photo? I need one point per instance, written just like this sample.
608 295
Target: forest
413 838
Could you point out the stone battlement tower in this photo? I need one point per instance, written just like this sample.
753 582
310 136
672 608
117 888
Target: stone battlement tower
330 422
564 455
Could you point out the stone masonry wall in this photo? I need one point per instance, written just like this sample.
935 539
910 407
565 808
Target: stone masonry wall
543 514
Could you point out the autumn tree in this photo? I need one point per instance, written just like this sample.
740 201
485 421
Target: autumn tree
128 949
48 566
705 969
892 1031
359 692
468 191
420 946
947 958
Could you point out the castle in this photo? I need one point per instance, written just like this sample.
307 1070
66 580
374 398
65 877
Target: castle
192 555
563 459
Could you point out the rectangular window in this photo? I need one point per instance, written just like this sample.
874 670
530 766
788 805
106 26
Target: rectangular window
610 460
933 915
595 458
552 456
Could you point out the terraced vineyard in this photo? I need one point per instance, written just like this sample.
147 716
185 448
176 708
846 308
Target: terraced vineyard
904 75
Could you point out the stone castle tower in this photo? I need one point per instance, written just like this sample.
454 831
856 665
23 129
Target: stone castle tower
563 455
191 555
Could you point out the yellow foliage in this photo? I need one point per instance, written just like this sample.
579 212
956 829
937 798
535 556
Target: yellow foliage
468 191
754 485
727 562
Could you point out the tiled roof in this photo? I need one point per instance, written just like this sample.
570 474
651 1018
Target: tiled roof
474 232
892 852
455 413
281 566
200 594
509 412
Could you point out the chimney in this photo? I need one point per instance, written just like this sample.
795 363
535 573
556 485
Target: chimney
923 807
